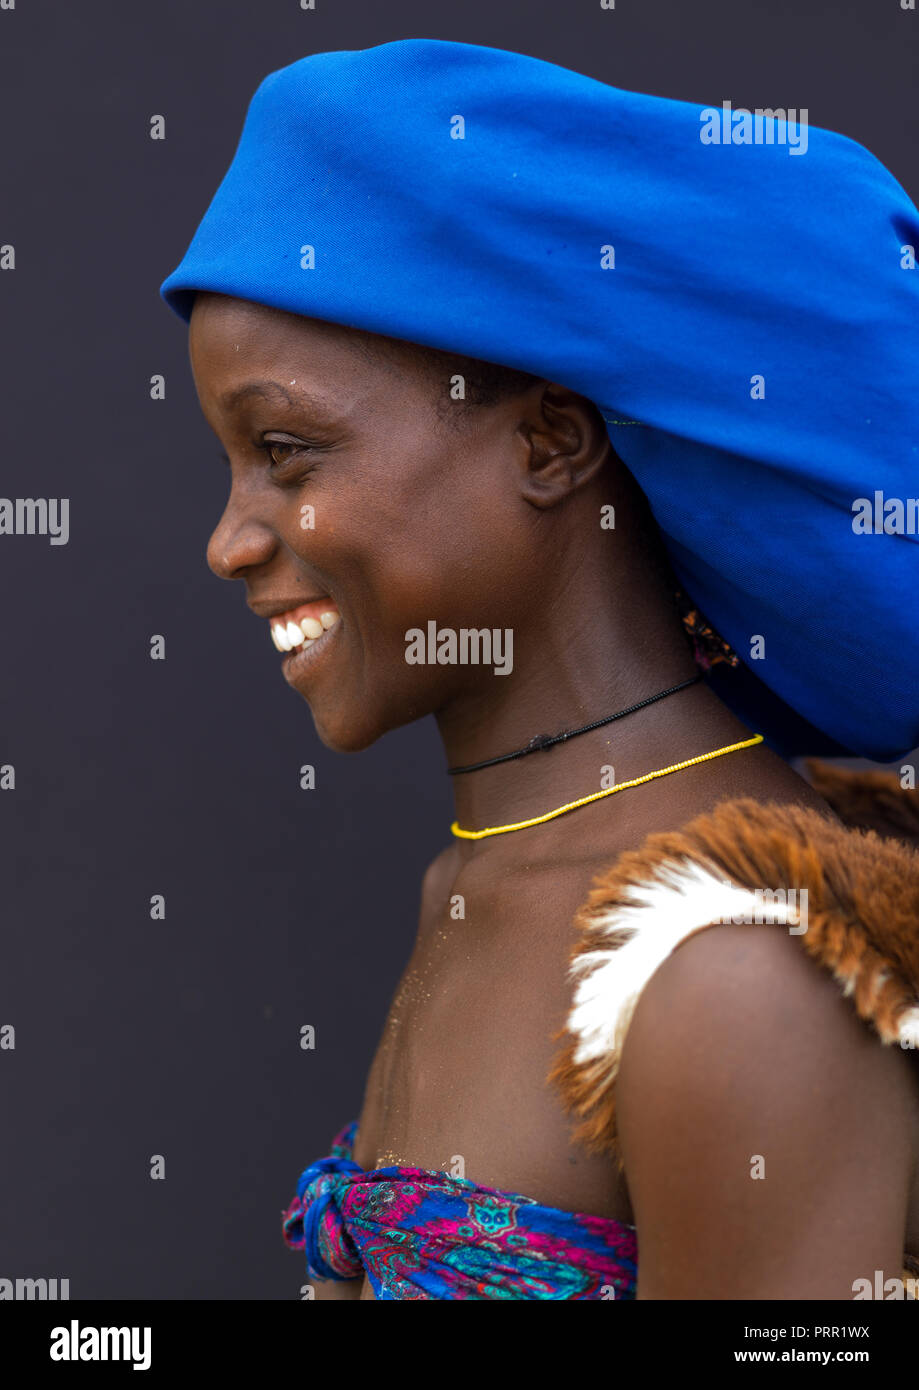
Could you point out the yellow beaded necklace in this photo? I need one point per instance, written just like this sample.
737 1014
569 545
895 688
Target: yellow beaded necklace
595 796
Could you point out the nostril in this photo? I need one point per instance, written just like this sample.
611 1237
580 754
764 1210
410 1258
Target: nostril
242 541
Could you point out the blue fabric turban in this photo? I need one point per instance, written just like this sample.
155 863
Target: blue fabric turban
735 292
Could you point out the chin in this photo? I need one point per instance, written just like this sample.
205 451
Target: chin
346 736
352 732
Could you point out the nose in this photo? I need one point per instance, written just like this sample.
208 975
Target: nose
240 542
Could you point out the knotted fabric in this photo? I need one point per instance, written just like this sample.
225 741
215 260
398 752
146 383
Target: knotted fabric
421 1234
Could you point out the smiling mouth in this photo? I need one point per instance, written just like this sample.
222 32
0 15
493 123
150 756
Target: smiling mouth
303 633
299 628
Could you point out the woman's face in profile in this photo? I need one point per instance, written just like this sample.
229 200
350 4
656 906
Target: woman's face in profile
357 491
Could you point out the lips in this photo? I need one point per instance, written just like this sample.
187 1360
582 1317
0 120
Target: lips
300 627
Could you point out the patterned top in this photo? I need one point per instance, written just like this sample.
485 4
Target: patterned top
424 1234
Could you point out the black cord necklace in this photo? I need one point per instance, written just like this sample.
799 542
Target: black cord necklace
543 741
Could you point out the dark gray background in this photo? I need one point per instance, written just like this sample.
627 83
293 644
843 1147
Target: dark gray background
180 777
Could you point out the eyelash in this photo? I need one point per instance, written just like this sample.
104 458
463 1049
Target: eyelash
265 447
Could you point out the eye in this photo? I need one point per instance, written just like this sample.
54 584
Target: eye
281 453
289 460
271 445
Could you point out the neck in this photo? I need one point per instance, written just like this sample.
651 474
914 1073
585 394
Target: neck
587 659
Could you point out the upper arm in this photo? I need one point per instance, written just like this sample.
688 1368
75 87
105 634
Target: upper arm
766 1132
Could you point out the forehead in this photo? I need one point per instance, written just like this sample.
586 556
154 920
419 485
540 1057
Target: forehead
242 352
227 333
234 345
222 329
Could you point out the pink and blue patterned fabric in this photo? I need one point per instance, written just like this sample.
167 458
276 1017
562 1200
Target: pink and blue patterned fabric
424 1234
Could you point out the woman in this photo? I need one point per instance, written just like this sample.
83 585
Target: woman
681 416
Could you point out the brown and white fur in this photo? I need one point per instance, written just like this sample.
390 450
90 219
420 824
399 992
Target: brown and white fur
862 918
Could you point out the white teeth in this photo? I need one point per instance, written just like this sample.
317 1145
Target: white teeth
287 635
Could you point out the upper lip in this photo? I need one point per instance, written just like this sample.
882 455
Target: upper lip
273 608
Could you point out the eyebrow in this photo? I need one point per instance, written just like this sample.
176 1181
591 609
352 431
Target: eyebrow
231 399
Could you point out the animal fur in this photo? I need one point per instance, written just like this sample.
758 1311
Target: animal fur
868 800
862 918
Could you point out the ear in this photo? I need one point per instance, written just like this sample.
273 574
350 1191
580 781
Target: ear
565 444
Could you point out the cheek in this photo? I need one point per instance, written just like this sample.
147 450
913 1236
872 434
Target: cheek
411 535
436 553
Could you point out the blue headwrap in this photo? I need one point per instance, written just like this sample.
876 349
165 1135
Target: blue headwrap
736 294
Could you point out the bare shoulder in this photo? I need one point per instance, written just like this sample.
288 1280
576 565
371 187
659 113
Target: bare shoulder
749 1086
752 990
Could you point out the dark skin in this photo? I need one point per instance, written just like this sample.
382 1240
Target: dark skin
491 520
